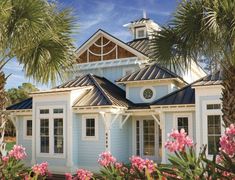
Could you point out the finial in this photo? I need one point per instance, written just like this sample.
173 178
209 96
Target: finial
144 14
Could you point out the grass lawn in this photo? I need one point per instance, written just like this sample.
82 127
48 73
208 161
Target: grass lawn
9 145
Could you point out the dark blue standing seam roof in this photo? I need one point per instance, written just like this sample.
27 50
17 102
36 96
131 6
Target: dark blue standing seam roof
185 95
25 104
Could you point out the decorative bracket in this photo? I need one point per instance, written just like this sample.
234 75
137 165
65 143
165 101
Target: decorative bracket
124 121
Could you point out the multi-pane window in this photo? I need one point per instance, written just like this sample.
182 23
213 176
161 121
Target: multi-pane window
44 111
214 133
58 135
90 127
213 106
140 33
44 135
137 138
148 137
182 123
28 127
57 111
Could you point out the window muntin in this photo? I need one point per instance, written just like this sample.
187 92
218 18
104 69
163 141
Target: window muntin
214 133
90 127
44 135
58 135
58 111
44 111
29 127
183 123
148 93
213 106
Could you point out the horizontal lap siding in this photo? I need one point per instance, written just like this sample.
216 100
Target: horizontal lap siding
120 141
27 143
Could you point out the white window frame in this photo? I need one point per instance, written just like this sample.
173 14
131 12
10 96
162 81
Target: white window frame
190 122
142 95
25 136
51 116
127 69
90 138
205 113
137 32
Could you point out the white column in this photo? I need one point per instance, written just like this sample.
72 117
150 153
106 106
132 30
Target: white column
198 119
162 121
33 160
69 133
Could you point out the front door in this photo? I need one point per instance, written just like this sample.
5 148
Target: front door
146 139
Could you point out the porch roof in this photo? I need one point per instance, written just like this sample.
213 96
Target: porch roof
25 104
212 79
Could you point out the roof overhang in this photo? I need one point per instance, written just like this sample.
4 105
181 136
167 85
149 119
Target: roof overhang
170 108
20 112
153 80
103 33
207 86
59 90
95 109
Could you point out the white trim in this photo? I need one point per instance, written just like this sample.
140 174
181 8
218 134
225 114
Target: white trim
124 121
190 122
51 116
90 138
25 136
142 93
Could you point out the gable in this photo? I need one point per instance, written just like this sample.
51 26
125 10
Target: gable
102 47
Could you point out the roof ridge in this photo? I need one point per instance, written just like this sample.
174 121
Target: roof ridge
100 88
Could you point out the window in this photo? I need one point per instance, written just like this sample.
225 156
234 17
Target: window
182 123
140 32
44 135
147 94
214 133
90 127
50 140
58 135
137 138
44 111
213 106
58 111
28 127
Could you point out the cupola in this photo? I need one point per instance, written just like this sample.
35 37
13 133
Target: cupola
143 27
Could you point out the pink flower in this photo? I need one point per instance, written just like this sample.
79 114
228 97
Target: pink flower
83 174
68 176
41 169
5 159
106 159
118 165
18 152
178 141
142 164
227 141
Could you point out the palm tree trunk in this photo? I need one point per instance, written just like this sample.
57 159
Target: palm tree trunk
228 95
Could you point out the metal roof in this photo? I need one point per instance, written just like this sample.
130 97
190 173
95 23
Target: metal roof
212 79
103 93
25 104
150 72
185 95
141 45
141 20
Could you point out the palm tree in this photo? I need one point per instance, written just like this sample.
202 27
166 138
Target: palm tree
37 33
202 28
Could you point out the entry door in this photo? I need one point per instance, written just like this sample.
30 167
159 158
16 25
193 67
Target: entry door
146 139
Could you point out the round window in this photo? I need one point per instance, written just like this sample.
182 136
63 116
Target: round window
148 93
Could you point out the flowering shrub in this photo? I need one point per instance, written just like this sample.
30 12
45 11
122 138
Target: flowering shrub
227 141
12 166
178 141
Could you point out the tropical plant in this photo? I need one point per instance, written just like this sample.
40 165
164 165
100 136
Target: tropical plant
36 33
201 28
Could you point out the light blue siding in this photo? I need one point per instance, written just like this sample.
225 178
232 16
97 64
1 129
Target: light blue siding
86 152
110 73
135 96
27 143
120 141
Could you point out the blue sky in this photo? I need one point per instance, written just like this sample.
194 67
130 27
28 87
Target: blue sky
109 15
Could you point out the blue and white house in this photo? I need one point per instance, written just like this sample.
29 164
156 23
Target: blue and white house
118 101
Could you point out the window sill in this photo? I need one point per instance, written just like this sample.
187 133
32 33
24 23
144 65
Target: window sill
47 155
90 138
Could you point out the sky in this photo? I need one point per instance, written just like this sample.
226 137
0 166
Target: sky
109 15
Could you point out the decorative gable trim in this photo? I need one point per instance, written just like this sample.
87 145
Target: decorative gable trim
114 49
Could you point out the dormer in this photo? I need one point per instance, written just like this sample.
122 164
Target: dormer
142 28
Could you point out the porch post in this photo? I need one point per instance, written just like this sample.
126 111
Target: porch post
162 117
